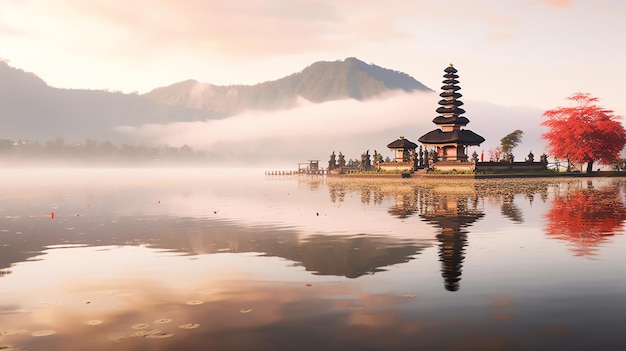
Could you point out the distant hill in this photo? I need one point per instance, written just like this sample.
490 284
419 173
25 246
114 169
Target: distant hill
32 110
319 82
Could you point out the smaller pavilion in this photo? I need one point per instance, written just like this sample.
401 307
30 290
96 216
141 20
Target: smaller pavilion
450 139
403 148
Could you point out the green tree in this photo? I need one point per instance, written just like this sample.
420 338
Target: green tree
509 142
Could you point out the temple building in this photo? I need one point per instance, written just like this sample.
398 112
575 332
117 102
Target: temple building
402 149
450 140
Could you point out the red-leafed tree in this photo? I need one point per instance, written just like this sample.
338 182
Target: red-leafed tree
585 133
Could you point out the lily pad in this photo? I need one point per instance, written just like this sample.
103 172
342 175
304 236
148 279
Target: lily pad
43 332
189 326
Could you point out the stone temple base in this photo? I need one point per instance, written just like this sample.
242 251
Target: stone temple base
396 166
454 165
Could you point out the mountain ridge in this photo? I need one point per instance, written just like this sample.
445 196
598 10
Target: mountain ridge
33 110
319 82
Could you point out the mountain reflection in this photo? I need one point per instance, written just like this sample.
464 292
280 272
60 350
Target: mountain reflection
586 217
341 255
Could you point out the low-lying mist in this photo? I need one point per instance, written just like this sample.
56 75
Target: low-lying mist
314 131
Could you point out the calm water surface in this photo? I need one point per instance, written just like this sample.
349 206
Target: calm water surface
163 259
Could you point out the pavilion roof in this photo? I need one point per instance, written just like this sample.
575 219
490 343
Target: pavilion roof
402 143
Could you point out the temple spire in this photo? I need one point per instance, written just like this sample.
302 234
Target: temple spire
450 139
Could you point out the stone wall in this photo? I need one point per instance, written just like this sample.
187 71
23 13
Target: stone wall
510 166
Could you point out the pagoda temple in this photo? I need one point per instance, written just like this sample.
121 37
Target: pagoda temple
449 139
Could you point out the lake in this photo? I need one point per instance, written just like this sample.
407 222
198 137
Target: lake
205 259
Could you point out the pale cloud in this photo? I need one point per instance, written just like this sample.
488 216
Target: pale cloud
140 45
143 29
235 27
559 4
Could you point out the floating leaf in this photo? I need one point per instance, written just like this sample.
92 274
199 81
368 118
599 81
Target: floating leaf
139 326
43 332
8 332
195 302
94 322
189 326
153 334
245 310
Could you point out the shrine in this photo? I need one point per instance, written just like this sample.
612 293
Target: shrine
450 140
403 148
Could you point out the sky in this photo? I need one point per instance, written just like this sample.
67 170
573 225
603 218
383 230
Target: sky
516 53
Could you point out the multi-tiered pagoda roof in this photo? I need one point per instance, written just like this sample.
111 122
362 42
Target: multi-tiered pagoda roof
450 135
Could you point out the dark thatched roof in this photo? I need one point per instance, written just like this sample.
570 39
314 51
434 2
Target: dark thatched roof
454 110
461 136
450 69
402 143
459 121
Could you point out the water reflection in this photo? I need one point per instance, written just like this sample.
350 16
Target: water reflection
341 255
586 215
125 276
450 207
452 214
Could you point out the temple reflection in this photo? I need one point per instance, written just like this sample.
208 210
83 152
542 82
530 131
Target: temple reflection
452 213
451 207
586 216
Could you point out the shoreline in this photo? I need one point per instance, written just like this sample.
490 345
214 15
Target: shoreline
597 174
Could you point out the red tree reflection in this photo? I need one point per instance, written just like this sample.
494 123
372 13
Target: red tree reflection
586 218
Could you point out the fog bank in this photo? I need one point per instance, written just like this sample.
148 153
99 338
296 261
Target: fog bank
314 131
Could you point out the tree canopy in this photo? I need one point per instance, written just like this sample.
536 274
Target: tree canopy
510 141
585 133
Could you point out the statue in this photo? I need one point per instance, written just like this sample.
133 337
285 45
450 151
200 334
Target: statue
365 161
332 163
475 157
432 156
378 159
342 160
421 158
531 157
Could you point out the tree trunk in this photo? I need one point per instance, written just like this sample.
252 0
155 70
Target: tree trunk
589 167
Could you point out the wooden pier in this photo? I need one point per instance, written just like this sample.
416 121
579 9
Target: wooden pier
298 172
306 168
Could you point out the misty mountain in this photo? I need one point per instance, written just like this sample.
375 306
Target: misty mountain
320 82
32 110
